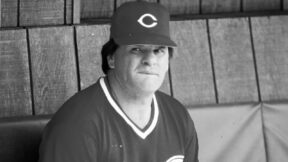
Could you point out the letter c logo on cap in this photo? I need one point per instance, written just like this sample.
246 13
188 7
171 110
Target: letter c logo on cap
154 20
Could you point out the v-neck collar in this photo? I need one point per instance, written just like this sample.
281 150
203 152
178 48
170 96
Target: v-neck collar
143 133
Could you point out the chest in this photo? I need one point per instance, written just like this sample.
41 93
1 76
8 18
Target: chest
120 142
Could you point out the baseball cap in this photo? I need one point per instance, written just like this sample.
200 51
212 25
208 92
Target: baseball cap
141 23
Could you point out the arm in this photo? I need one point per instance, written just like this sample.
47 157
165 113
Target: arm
192 148
69 142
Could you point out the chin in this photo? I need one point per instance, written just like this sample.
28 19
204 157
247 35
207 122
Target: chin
148 83
149 86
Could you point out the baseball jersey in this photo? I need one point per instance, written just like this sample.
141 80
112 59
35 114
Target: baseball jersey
91 127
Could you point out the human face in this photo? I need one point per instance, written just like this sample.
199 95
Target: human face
141 68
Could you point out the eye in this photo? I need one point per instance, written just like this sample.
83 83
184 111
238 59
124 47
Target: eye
160 51
136 50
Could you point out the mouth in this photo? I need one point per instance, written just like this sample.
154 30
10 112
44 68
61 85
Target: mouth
149 73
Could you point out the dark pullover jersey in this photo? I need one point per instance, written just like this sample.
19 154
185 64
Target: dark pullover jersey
91 127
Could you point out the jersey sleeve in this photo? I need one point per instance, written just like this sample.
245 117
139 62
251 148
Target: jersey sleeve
68 144
72 135
192 148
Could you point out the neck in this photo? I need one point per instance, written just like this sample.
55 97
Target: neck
135 104
128 96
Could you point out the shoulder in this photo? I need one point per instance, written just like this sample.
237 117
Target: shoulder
176 115
85 96
79 109
163 97
173 109
170 103
71 129
84 100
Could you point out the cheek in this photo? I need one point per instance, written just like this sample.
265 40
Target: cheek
125 66
121 62
164 64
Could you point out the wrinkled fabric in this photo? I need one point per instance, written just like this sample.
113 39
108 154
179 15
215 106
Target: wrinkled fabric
229 133
275 117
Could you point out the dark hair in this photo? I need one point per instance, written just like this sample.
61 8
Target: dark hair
110 47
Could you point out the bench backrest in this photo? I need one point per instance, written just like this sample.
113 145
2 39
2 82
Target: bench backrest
20 138
230 132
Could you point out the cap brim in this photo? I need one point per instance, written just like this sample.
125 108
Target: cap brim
145 39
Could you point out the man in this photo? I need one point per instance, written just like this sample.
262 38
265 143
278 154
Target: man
123 118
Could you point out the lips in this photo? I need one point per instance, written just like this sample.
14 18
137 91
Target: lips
148 73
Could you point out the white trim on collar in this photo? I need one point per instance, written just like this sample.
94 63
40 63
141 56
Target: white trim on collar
139 132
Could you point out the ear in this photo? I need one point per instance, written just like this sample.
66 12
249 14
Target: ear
111 61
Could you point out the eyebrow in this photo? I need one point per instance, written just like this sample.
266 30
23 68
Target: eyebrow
143 45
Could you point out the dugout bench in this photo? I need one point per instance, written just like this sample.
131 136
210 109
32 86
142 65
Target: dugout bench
251 132
20 138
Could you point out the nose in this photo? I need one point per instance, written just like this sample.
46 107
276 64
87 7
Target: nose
149 58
